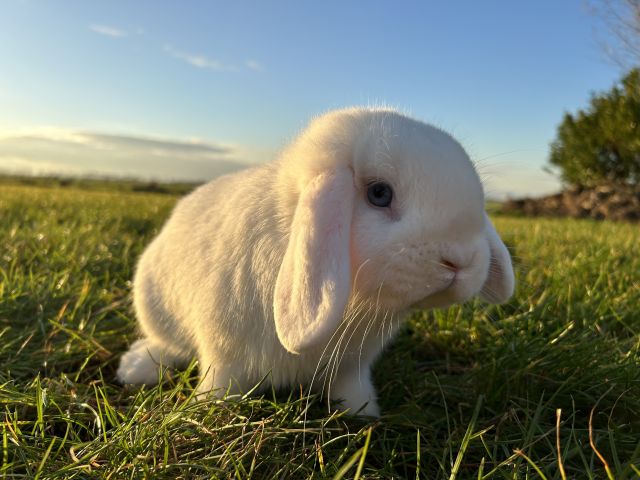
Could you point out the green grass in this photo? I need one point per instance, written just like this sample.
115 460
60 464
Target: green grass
470 392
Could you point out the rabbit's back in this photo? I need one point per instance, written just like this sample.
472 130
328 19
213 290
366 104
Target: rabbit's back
209 275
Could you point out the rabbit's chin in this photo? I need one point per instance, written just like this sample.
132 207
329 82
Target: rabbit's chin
448 292
455 293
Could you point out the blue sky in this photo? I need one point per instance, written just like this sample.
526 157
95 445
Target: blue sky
177 90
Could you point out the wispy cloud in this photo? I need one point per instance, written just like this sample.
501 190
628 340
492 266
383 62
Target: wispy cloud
253 65
108 31
200 61
75 152
195 59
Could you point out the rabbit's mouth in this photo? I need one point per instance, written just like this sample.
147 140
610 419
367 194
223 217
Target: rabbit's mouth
445 287
462 286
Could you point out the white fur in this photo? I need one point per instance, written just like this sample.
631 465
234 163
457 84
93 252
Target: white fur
286 269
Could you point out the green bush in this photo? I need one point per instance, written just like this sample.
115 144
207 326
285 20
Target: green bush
602 143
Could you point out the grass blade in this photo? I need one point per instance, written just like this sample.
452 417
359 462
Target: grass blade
466 439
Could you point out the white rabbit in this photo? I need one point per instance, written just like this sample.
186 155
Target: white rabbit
302 269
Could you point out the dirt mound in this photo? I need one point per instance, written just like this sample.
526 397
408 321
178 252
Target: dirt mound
611 202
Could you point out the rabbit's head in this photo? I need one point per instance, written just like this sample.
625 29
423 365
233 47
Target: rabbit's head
388 210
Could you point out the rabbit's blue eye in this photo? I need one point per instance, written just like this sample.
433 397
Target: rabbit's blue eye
379 194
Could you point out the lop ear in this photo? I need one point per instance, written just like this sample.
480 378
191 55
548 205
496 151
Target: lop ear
500 283
314 281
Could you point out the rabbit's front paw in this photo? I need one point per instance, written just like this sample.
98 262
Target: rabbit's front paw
138 366
358 395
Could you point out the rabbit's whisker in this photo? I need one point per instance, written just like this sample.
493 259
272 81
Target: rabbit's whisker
362 317
317 370
352 311
336 351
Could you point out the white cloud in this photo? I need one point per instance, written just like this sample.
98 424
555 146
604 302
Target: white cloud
108 31
48 150
200 61
62 151
253 65
53 134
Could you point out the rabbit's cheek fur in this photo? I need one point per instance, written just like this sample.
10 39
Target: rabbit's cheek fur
407 274
398 280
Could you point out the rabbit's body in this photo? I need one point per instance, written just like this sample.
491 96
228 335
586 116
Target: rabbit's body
277 270
178 320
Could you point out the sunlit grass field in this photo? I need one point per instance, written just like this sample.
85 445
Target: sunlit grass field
546 386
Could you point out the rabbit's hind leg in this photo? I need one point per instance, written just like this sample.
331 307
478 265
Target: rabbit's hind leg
162 343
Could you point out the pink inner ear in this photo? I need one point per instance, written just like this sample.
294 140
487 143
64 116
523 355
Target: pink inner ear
314 281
